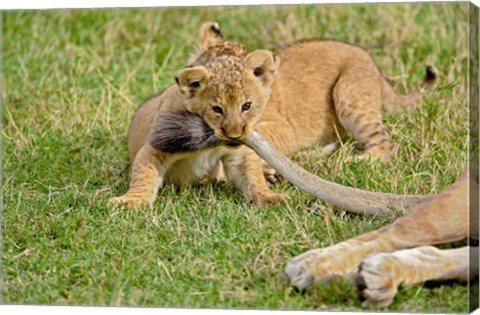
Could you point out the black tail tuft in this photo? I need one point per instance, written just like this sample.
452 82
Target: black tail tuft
182 132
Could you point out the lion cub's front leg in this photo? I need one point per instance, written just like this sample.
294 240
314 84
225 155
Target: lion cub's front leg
147 172
245 169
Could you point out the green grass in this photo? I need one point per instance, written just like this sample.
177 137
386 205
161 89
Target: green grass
72 81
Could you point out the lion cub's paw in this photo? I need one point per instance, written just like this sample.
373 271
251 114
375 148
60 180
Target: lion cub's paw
129 201
381 153
375 280
271 175
262 199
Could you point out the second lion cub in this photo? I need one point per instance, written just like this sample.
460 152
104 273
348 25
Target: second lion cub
309 92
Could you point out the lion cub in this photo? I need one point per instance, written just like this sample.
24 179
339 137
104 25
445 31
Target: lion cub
309 92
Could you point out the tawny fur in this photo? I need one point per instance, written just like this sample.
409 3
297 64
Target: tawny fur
319 89
309 92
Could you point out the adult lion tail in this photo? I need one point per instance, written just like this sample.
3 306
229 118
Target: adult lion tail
351 199
394 102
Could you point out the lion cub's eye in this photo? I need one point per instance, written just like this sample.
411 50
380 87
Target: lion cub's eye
218 110
246 106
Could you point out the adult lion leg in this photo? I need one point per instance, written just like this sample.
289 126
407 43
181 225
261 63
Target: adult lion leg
357 101
446 219
379 275
147 172
439 220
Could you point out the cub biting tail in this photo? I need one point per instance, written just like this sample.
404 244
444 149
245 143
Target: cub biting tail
309 92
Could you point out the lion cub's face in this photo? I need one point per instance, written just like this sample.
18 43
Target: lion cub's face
229 92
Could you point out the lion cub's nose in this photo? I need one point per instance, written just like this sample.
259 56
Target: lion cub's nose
233 138
231 135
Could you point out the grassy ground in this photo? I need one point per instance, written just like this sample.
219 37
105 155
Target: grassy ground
72 82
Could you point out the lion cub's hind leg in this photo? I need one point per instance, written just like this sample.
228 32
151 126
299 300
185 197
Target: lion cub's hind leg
357 102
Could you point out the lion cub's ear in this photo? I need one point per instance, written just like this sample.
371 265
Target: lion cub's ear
192 80
263 64
210 35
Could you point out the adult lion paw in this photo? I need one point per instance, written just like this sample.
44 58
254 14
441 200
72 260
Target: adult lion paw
129 201
376 280
314 265
299 271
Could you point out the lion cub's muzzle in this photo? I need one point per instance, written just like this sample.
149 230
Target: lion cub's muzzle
232 134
